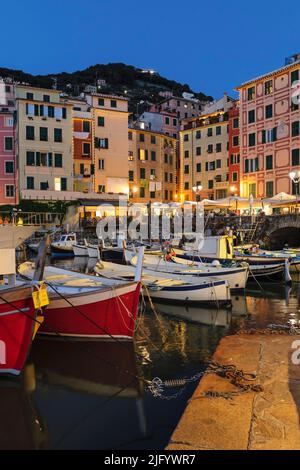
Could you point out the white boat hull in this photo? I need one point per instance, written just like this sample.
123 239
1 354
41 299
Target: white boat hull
93 251
215 292
80 250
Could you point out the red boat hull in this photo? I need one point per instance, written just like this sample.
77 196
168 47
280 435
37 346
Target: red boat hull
16 328
97 314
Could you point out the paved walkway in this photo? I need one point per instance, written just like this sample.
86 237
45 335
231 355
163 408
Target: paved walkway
266 420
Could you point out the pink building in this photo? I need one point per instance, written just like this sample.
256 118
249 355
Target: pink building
8 179
270 132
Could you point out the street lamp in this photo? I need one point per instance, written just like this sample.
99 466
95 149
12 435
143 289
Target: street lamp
295 178
233 190
197 190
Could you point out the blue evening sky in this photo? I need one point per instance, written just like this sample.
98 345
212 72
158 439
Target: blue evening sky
213 46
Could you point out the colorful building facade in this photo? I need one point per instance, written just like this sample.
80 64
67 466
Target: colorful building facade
110 120
8 164
234 150
204 157
8 167
270 132
152 166
44 143
83 147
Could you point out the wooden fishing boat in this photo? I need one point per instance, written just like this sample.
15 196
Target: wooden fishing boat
64 246
18 315
169 287
17 325
83 306
236 276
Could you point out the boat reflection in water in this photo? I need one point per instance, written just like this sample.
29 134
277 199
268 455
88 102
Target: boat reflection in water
21 427
82 386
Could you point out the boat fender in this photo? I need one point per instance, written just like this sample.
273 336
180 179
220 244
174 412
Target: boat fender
216 263
287 276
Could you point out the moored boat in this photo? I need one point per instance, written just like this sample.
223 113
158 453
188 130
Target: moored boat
235 275
17 324
64 246
170 287
19 319
80 250
84 306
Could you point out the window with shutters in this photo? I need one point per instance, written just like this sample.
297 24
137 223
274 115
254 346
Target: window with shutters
251 116
57 135
58 160
86 148
269 162
295 157
269 111
86 126
30 182
295 128
269 189
29 132
251 140
269 87
44 134
251 93
101 122
9 168
8 144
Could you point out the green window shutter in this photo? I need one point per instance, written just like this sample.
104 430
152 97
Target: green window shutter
36 109
58 160
263 136
38 159
50 159
51 111
101 121
30 158
63 182
64 113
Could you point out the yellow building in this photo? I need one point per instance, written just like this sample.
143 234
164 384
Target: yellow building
110 120
152 166
204 157
44 143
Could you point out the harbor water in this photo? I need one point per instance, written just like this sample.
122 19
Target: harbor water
94 395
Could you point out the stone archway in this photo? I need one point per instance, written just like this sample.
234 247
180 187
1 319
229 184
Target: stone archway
277 238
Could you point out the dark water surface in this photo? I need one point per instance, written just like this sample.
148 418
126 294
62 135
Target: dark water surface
85 394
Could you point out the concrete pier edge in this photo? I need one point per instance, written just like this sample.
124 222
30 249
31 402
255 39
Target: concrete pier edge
266 420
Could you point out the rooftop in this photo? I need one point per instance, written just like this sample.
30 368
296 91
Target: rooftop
270 74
